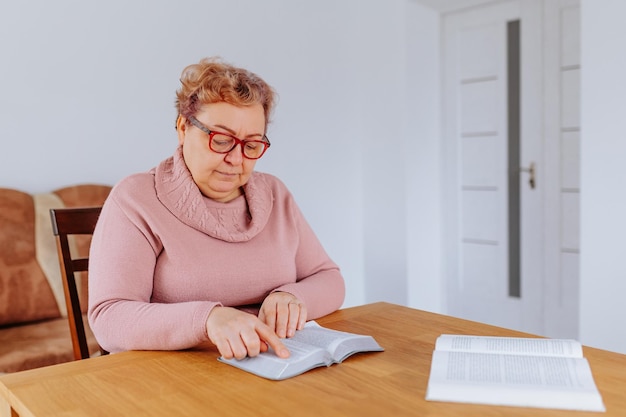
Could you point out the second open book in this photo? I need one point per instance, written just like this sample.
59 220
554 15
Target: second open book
527 372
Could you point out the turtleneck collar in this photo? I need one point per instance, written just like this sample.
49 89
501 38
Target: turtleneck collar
238 220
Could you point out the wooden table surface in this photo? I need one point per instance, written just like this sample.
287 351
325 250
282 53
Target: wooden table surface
194 383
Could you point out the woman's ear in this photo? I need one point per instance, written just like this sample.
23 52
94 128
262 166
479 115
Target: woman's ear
181 128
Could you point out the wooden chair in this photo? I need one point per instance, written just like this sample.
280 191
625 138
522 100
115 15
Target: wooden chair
66 222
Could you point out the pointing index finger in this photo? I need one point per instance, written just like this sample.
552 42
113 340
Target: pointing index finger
273 341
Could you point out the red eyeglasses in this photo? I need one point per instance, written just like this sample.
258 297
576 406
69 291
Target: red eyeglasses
224 143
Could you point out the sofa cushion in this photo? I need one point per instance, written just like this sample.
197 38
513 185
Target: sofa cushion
39 344
24 291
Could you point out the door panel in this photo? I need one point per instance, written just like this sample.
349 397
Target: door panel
479 106
570 160
479 160
570 98
480 209
475 51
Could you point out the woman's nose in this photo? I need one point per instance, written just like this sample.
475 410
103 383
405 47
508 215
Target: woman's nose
235 156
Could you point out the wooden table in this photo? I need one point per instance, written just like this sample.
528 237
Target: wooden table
194 383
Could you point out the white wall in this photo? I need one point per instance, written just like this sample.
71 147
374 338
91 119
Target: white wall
603 175
95 81
423 163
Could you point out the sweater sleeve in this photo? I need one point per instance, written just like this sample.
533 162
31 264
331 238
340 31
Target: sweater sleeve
319 283
121 268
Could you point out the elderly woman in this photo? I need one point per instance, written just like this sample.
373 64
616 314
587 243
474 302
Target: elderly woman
202 247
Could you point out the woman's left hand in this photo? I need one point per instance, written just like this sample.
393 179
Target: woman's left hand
283 313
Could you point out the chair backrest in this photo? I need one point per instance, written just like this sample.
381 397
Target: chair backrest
67 222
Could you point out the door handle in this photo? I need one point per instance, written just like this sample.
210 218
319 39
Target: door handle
532 173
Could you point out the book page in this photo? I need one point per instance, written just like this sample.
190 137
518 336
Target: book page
339 344
518 380
315 335
510 345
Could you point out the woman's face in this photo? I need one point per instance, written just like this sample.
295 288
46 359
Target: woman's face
220 176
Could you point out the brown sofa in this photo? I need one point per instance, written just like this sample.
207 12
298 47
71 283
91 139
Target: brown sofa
34 330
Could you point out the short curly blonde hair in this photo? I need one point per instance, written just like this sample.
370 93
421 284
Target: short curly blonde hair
211 81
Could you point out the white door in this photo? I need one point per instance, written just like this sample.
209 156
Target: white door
499 168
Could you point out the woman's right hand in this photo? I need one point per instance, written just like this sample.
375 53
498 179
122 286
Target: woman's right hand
238 334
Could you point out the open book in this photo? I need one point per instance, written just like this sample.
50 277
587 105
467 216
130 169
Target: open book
525 372
310 347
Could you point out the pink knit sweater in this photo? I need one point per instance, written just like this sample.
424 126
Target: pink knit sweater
163 256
